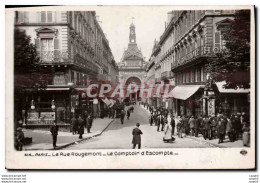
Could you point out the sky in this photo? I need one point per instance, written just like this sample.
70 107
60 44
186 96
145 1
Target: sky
149 22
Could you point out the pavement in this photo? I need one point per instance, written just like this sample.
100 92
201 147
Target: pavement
212 143
119 136
42 139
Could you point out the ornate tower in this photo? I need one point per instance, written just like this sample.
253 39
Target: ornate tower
132 36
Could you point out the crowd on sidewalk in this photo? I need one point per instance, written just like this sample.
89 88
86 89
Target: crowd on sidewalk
234 127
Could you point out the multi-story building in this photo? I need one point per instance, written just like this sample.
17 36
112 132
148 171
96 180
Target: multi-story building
74 45
197 37
189 39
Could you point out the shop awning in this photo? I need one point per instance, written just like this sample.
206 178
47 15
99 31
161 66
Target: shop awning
107 101
56 89
223 90
184 92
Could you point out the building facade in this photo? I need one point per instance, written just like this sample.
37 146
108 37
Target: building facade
190 38
132 66
74 45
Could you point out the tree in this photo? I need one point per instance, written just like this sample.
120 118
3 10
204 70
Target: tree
28 73
232 64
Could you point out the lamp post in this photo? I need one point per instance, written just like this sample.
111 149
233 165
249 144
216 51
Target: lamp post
209 99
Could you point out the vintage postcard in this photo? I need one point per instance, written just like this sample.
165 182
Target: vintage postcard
130 87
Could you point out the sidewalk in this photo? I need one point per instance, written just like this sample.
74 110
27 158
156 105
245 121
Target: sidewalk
42 140
213 142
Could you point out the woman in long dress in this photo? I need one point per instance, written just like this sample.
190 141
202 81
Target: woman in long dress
168 133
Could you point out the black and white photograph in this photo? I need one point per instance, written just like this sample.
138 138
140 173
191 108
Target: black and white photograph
130 80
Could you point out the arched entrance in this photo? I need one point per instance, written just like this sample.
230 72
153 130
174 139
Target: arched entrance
134 97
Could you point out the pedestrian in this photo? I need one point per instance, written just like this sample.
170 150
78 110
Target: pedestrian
54 132
168 138
185 122
179 126
246 134
164 120
137 136
213 127
80 127
151 119
19 136
196 126
221 131
122 116
206 130
128 113
230 131
74 124
238 126
132 109
191 123
172 123
159 122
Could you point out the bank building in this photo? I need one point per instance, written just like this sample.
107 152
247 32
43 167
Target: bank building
132 66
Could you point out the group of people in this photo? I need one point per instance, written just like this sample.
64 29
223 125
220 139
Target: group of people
211 127
78 124
77 127
164 122
127 113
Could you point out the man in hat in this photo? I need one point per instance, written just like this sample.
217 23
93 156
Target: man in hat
19 136
137 136
54 131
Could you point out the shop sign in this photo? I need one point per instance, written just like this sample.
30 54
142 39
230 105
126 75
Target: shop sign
211 107
199 52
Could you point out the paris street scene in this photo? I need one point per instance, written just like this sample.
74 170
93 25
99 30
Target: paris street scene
132 79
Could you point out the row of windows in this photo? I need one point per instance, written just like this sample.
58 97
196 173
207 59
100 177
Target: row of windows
189 47
191 76
83 28
79 78
186 22
42 16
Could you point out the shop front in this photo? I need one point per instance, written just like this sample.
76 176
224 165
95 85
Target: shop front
187 100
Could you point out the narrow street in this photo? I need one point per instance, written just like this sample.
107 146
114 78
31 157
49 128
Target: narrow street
118 136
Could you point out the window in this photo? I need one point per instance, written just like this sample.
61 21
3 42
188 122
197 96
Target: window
77 79
183 78
72 77
187 77
22 17
47 49
202 73
46 16
217 39
198 75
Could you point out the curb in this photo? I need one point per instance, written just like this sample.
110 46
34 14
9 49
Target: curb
75 142
206 142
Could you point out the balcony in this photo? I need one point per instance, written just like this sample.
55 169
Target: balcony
193 55
166 75
79 60
54 57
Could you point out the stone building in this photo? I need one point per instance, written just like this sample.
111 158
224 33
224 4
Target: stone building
74 45
132 65
189 39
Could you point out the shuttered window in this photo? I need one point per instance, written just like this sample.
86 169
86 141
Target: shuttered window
217 39
46 16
